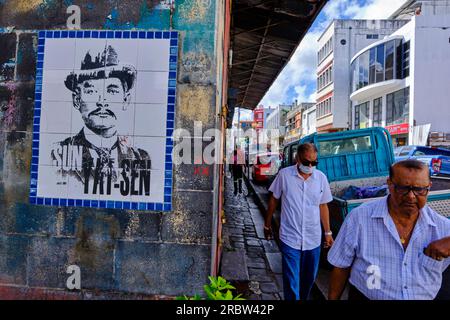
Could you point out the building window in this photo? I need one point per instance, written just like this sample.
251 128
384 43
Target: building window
325 51
357 117
389 74
363 77
403 49
372 54
397 107
384 62
377 112
371 36
362 115
405 60
379 64
324 79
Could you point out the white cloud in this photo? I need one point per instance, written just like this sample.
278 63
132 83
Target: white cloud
379 9
300 73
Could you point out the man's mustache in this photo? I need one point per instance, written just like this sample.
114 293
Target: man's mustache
100 111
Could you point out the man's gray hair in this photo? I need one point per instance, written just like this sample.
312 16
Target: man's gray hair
305 147
409 164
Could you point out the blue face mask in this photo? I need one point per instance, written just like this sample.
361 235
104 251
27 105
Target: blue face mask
306 170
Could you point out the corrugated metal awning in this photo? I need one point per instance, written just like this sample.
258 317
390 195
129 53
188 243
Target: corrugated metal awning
264 35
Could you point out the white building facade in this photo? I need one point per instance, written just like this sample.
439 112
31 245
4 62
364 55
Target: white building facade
402 82
309 120
338 44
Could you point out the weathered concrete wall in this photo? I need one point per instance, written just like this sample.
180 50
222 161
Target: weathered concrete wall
117 250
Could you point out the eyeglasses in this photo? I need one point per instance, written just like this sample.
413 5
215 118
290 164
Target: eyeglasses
418 191
307 163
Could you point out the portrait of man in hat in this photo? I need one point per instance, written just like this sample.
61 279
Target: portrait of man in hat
99 154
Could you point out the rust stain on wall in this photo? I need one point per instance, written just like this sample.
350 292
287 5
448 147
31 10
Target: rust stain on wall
96 236
195 103
194 10
196 68
22 6
16 164
9 110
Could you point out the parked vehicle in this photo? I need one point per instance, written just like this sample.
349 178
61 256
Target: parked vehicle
266 166
360 158
438 159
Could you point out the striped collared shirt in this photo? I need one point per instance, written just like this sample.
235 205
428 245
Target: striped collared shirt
381 269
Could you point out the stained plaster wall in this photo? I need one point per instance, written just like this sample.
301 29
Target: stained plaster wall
122 251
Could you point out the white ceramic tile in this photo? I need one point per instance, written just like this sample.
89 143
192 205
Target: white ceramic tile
126 49
155 148
94 47
56 117
121 147
51 152
153 55
53 87
156 188
121 118
77 122
152 87
51 184
150 120
92 91
125 119
59 54
76 189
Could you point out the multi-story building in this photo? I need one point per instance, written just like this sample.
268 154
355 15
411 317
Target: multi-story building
309 120
421 7
292 122
277 121
402 81
295 123
258 118
338 44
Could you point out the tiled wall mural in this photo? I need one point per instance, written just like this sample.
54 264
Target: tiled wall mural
104 118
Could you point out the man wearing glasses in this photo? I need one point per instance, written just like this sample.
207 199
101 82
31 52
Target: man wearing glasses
305 193
395 247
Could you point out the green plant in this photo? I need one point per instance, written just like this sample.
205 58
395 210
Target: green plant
217 289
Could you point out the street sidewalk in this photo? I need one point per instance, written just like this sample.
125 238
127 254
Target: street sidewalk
247 257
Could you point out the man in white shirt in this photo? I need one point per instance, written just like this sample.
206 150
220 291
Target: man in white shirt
305 192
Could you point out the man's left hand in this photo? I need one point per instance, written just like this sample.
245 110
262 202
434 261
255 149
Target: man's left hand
439 249
328 241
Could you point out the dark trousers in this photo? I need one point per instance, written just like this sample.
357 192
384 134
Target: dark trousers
354 294
237 182
299 271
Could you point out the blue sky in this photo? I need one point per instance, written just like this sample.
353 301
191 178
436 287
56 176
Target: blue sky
298 79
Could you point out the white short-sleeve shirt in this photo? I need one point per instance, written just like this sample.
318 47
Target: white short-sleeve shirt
300 199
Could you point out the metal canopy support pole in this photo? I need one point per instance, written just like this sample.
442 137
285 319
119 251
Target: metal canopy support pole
257 57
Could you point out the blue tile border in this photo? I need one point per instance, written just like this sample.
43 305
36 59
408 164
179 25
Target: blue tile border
173 39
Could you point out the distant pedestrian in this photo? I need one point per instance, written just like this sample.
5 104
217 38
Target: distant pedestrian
395 247
304 192
236 168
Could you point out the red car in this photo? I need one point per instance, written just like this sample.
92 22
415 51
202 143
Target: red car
266 167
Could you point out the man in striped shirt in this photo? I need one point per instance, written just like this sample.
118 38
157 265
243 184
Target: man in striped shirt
395 247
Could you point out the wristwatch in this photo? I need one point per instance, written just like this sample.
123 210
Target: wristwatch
328 233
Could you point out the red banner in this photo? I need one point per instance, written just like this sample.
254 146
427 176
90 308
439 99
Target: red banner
398 128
